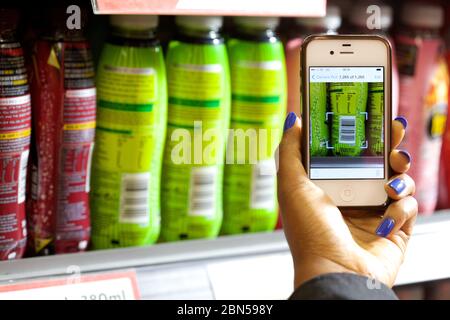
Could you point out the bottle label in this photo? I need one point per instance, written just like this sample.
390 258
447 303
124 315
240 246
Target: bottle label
73 213
15 130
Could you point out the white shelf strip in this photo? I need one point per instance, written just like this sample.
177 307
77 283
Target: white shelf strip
231 267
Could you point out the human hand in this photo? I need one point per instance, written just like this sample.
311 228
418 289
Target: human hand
324 239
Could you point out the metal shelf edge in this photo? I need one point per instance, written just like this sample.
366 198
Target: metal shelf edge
426 249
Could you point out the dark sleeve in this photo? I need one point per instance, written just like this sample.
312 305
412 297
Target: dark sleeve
343 286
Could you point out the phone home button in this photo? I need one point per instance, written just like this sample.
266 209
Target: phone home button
347 194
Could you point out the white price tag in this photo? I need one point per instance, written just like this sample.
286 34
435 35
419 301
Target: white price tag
108 286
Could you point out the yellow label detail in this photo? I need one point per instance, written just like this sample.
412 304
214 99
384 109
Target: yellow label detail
79 126
19 82
15 134
53 59
40 244
438 125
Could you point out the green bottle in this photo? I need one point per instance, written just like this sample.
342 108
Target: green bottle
198 120
130 135
258 78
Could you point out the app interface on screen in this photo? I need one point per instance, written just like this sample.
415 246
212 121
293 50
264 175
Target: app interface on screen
346 123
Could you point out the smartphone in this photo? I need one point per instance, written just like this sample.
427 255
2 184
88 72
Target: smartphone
346 117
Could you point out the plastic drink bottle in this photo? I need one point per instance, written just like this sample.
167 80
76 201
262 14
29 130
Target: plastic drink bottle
15 130
258 82
198 119
64 110
130 134
424 95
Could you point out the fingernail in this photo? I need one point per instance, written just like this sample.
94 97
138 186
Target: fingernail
385 227
403 121
290 120
405 154
398 185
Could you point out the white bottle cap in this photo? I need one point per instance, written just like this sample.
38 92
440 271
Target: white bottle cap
200 22
332 21
422 15
359 15
257 22
134 22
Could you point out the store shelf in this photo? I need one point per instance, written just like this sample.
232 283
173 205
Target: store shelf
287 8
255 266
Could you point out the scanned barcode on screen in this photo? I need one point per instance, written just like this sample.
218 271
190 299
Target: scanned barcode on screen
134 198
203 191
263 185
347 129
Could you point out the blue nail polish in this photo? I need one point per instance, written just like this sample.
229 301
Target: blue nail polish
403 121
290 121
398 185
406 154
385 227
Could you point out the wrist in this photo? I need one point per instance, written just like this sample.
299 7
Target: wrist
309 268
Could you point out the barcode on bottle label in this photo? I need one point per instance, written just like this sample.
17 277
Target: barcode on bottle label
202 199
263 185
134 198
347 129
23 176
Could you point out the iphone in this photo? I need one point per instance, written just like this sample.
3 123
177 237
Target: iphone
346 117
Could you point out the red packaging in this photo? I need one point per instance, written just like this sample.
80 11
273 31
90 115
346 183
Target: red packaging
64 104
15 130
423 97
444 168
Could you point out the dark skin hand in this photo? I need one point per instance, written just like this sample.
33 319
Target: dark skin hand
324 239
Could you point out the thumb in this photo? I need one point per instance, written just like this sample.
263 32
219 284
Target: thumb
288 156
305 209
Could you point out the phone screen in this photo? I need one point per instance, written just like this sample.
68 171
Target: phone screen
346 109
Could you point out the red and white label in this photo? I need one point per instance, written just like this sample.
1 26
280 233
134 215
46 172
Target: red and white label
15 131
108 286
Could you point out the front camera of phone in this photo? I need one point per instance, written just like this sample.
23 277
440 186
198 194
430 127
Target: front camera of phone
331 52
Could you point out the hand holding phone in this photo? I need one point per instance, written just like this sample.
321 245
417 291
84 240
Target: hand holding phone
325 239
346 82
